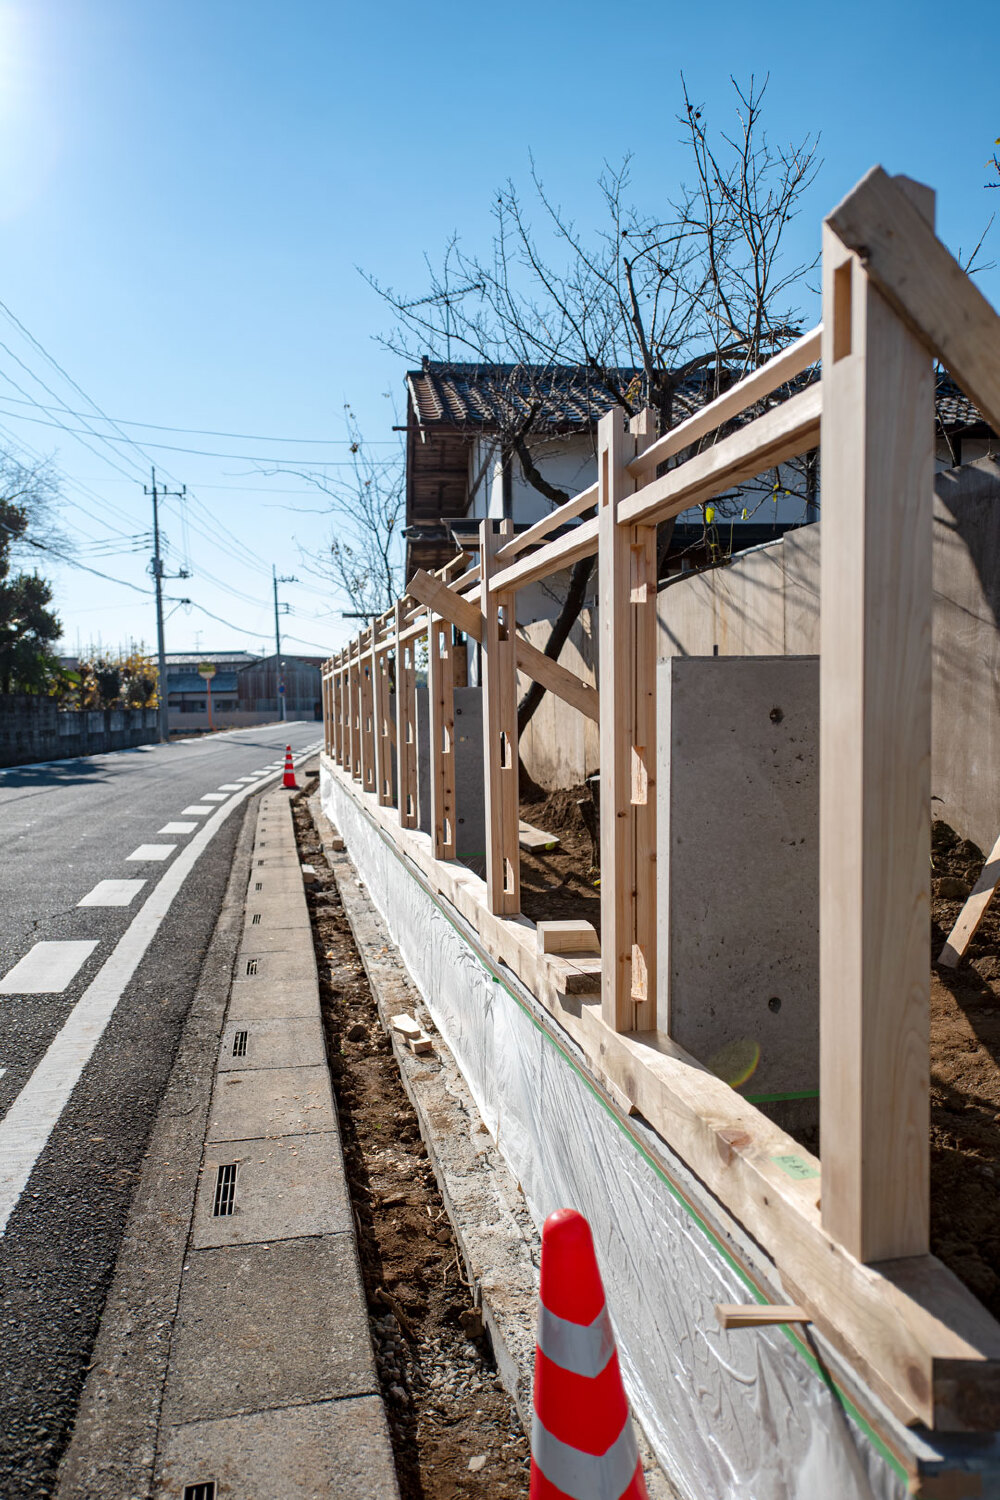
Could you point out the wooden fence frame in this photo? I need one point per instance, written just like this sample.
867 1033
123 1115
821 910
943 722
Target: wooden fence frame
849 1237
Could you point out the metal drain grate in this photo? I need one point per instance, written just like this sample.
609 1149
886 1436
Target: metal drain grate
203 1491
240 1044
259 886
225 1192
260 861
251 966
255 919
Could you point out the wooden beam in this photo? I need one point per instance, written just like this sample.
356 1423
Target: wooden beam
753 388
758 1314
972 912
441 699
567 937
383 734
406 729
875 742
501 771
627 675
355 716
909 1328
881 221
780 434
556 679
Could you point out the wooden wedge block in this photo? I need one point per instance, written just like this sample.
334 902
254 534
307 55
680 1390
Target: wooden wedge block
308 874
757 1315
534 839
420 1043
406 1025
567 937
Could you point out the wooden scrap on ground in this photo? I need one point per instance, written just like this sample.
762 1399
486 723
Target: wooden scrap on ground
534 839
972 912
413 1033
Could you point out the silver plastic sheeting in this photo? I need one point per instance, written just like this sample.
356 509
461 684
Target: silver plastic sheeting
742 1414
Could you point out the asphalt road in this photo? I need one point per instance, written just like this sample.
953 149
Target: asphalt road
83 1066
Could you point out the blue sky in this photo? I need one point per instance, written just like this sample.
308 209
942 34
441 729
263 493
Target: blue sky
188 186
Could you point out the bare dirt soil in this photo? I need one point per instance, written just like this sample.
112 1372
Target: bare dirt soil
965 1031
454 1429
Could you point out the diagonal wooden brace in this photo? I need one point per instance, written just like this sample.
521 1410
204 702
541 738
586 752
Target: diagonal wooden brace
532 662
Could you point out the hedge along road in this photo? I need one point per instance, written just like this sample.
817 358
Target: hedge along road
112 870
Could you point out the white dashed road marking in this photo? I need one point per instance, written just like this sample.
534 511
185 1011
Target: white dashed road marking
113 893
196 811
152 851
214 797
47 969
177 828
230 786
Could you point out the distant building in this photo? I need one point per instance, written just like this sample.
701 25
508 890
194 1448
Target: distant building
244 690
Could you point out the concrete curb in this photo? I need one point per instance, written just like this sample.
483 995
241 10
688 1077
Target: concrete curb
496 1235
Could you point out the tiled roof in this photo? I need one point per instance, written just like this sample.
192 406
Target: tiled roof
568 398
192 658
954 408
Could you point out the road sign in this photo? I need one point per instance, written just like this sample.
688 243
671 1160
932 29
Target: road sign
206 669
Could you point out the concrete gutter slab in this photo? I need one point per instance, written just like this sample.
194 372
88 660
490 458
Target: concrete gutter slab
271 1102
255 1000
298 964
288 939
285 1189
295 1043
250 1334
337 1448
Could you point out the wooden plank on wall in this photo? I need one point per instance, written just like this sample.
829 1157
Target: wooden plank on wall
627 678
875 740
406 731
499 675
441 700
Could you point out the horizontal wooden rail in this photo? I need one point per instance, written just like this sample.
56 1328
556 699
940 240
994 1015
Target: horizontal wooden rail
562 553
752 388
556 518
786 432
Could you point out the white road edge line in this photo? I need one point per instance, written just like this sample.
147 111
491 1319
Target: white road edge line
34 1114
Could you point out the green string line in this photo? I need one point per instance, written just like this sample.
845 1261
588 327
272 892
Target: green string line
780 1098
828 1379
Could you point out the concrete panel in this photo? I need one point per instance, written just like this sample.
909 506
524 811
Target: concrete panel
470 815
253 1000
333 1448
271 1102
750 606
289 939
274 1044
246 1338
284 1188
737 859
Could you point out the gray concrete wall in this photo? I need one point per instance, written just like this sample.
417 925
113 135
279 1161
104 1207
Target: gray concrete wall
738 868
35 729
470 814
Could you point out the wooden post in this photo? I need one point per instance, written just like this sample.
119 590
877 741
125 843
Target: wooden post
383 737
627 676
499 674
875 741
441 698
355 713
406 730
337 710
367 679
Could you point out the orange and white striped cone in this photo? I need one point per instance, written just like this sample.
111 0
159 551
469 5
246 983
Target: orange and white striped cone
582 1441
289 777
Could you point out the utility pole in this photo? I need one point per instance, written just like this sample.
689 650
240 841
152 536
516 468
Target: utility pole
278 608
156 568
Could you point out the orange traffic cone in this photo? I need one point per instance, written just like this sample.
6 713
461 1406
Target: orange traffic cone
289 777
582 1442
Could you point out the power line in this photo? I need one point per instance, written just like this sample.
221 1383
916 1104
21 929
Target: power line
253 437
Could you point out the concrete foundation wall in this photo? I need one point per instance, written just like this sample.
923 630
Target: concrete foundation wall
34 729
738 864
